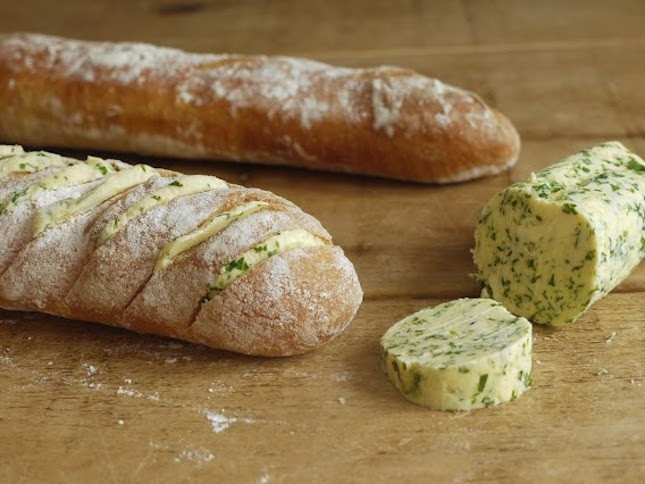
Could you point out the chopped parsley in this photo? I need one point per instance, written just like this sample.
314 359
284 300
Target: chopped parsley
482 382
239 264
527 380
487 401
636 166
569 208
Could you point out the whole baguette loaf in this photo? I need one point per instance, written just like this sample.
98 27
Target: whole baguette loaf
383 121
190 257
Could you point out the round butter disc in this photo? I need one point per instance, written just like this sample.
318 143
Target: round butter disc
460 355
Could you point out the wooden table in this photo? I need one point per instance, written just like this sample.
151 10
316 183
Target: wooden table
85 403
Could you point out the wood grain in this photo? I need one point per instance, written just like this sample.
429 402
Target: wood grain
291 423
81 402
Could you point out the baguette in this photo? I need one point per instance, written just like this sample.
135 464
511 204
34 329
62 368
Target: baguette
189 257
383 121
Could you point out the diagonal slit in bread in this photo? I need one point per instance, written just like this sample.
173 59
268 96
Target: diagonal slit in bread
155 251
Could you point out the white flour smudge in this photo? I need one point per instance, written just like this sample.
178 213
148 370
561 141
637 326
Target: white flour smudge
196 455
263 479
129 393
220 422
90 370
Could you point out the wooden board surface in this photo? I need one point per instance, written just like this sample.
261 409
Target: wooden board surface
82 402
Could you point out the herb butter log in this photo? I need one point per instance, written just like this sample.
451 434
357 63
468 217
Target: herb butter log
383 121
552 245
155 251
460 355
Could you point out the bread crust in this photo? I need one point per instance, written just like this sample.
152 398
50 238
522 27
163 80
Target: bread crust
65 270
249 321
383 121
173 298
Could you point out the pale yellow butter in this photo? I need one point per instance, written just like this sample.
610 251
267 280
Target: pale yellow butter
184 186
205 231
276 244
552 245
121 181
77 174
460 355
10 150
29 162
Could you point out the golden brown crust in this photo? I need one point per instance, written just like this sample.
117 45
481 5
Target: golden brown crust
171 298
256 317
65 271
382 121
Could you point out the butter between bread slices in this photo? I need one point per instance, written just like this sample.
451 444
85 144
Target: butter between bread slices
190 257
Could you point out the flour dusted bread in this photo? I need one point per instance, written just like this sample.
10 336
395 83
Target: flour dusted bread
154 251
383 121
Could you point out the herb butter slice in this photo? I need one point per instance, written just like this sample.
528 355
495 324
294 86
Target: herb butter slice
205 231
181 187
552 245
29 162
76 174
276 244
112 185
461 355
10 150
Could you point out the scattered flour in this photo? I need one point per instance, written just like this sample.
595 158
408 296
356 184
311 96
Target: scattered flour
263 479
90 370
196 455
220 387
220 422
129 393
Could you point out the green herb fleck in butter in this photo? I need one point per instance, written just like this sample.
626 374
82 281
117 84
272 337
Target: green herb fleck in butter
276 244
186 185
113 185
75 174
552 245
461 355
10 150
29 162
205 231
